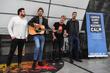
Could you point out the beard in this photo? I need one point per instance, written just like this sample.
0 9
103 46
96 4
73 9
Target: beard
23 15
40 14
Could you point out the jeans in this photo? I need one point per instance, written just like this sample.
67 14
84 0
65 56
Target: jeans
74 47
39 45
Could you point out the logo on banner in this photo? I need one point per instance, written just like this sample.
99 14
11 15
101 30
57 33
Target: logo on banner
95 23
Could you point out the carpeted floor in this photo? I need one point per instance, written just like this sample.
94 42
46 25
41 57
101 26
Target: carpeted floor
49 67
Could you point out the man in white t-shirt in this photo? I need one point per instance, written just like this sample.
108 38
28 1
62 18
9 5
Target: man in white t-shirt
17 29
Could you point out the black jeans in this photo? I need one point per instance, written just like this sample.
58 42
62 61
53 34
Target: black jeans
14 44
74 47
57 46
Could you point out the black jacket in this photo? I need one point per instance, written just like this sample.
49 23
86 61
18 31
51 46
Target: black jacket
72 27
35 19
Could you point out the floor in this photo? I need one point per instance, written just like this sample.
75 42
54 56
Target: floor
87 66
96 65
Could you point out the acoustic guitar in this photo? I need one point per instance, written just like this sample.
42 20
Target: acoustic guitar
37 29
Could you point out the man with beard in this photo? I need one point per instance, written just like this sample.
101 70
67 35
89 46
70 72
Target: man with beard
17 29
72 28
39 38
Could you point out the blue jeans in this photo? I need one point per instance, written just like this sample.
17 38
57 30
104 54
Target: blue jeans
39 45
74 47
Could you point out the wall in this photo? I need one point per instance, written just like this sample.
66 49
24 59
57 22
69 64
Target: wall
53 10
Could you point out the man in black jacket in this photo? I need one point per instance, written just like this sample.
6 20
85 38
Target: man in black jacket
38 38
72 28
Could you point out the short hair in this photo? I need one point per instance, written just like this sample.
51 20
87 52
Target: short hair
41 9
19 10
74 12
63 16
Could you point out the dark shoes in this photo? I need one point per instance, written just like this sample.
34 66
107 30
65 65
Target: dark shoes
40 64
78 60
33 66
71 61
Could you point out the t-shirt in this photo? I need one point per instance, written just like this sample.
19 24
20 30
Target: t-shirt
40 20
60 29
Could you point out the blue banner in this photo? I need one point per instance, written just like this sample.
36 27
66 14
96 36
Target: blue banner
96 35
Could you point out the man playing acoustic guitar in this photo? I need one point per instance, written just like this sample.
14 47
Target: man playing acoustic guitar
39 23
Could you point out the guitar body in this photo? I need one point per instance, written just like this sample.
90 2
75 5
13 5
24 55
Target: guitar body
37 29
